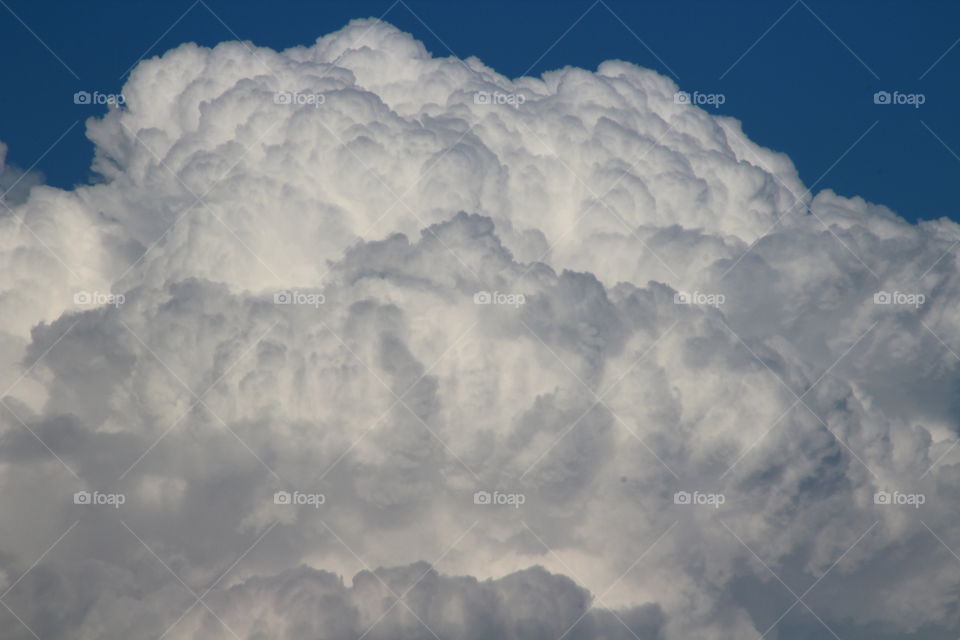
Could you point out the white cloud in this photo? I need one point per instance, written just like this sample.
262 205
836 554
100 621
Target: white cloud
387 206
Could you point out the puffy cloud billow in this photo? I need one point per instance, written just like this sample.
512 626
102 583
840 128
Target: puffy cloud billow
352 341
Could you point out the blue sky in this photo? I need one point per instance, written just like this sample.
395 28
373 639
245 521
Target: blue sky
800 75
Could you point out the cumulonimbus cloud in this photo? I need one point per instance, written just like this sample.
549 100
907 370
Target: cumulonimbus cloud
482 323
